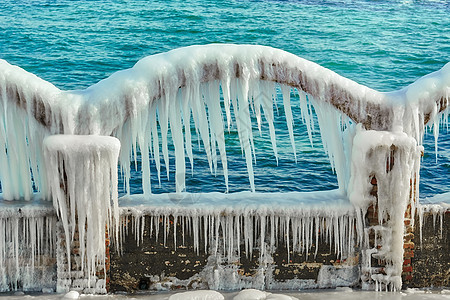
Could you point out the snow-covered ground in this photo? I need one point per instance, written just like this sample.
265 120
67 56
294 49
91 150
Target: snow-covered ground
337 294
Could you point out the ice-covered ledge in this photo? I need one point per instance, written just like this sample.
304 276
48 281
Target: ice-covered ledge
38 207
287 204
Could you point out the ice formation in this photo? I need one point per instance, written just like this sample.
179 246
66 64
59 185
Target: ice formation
72 295
27 245
219 222
437 206
247 294
184 86
393 160
227 227
82 172
206 89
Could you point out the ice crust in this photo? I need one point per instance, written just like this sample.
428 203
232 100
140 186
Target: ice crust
209 89
437 206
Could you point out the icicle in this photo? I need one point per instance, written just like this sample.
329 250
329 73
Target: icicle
216 121
163 117
175 221
306 115
177 137
143 142
289 120
244 127
155 140
286 232
227 99
185 99
267 104
183 229
125 103
165 224
201 121
238 234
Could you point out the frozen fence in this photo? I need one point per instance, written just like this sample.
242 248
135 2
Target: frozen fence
367 135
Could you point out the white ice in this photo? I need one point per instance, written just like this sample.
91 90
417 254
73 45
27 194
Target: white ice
27 239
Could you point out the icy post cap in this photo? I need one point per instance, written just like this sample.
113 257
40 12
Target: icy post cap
81 143
82 179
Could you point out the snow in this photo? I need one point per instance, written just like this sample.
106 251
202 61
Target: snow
72 295
251 294
197 295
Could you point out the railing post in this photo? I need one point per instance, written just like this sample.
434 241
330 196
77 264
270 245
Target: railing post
82 176
384 164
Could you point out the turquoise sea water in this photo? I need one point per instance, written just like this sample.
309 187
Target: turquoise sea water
383 44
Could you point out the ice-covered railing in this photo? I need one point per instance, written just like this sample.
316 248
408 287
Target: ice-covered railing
163 95
173 89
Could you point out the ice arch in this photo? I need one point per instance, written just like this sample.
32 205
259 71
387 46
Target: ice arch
167 89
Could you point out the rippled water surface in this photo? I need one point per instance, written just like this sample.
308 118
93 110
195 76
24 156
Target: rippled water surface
383 44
